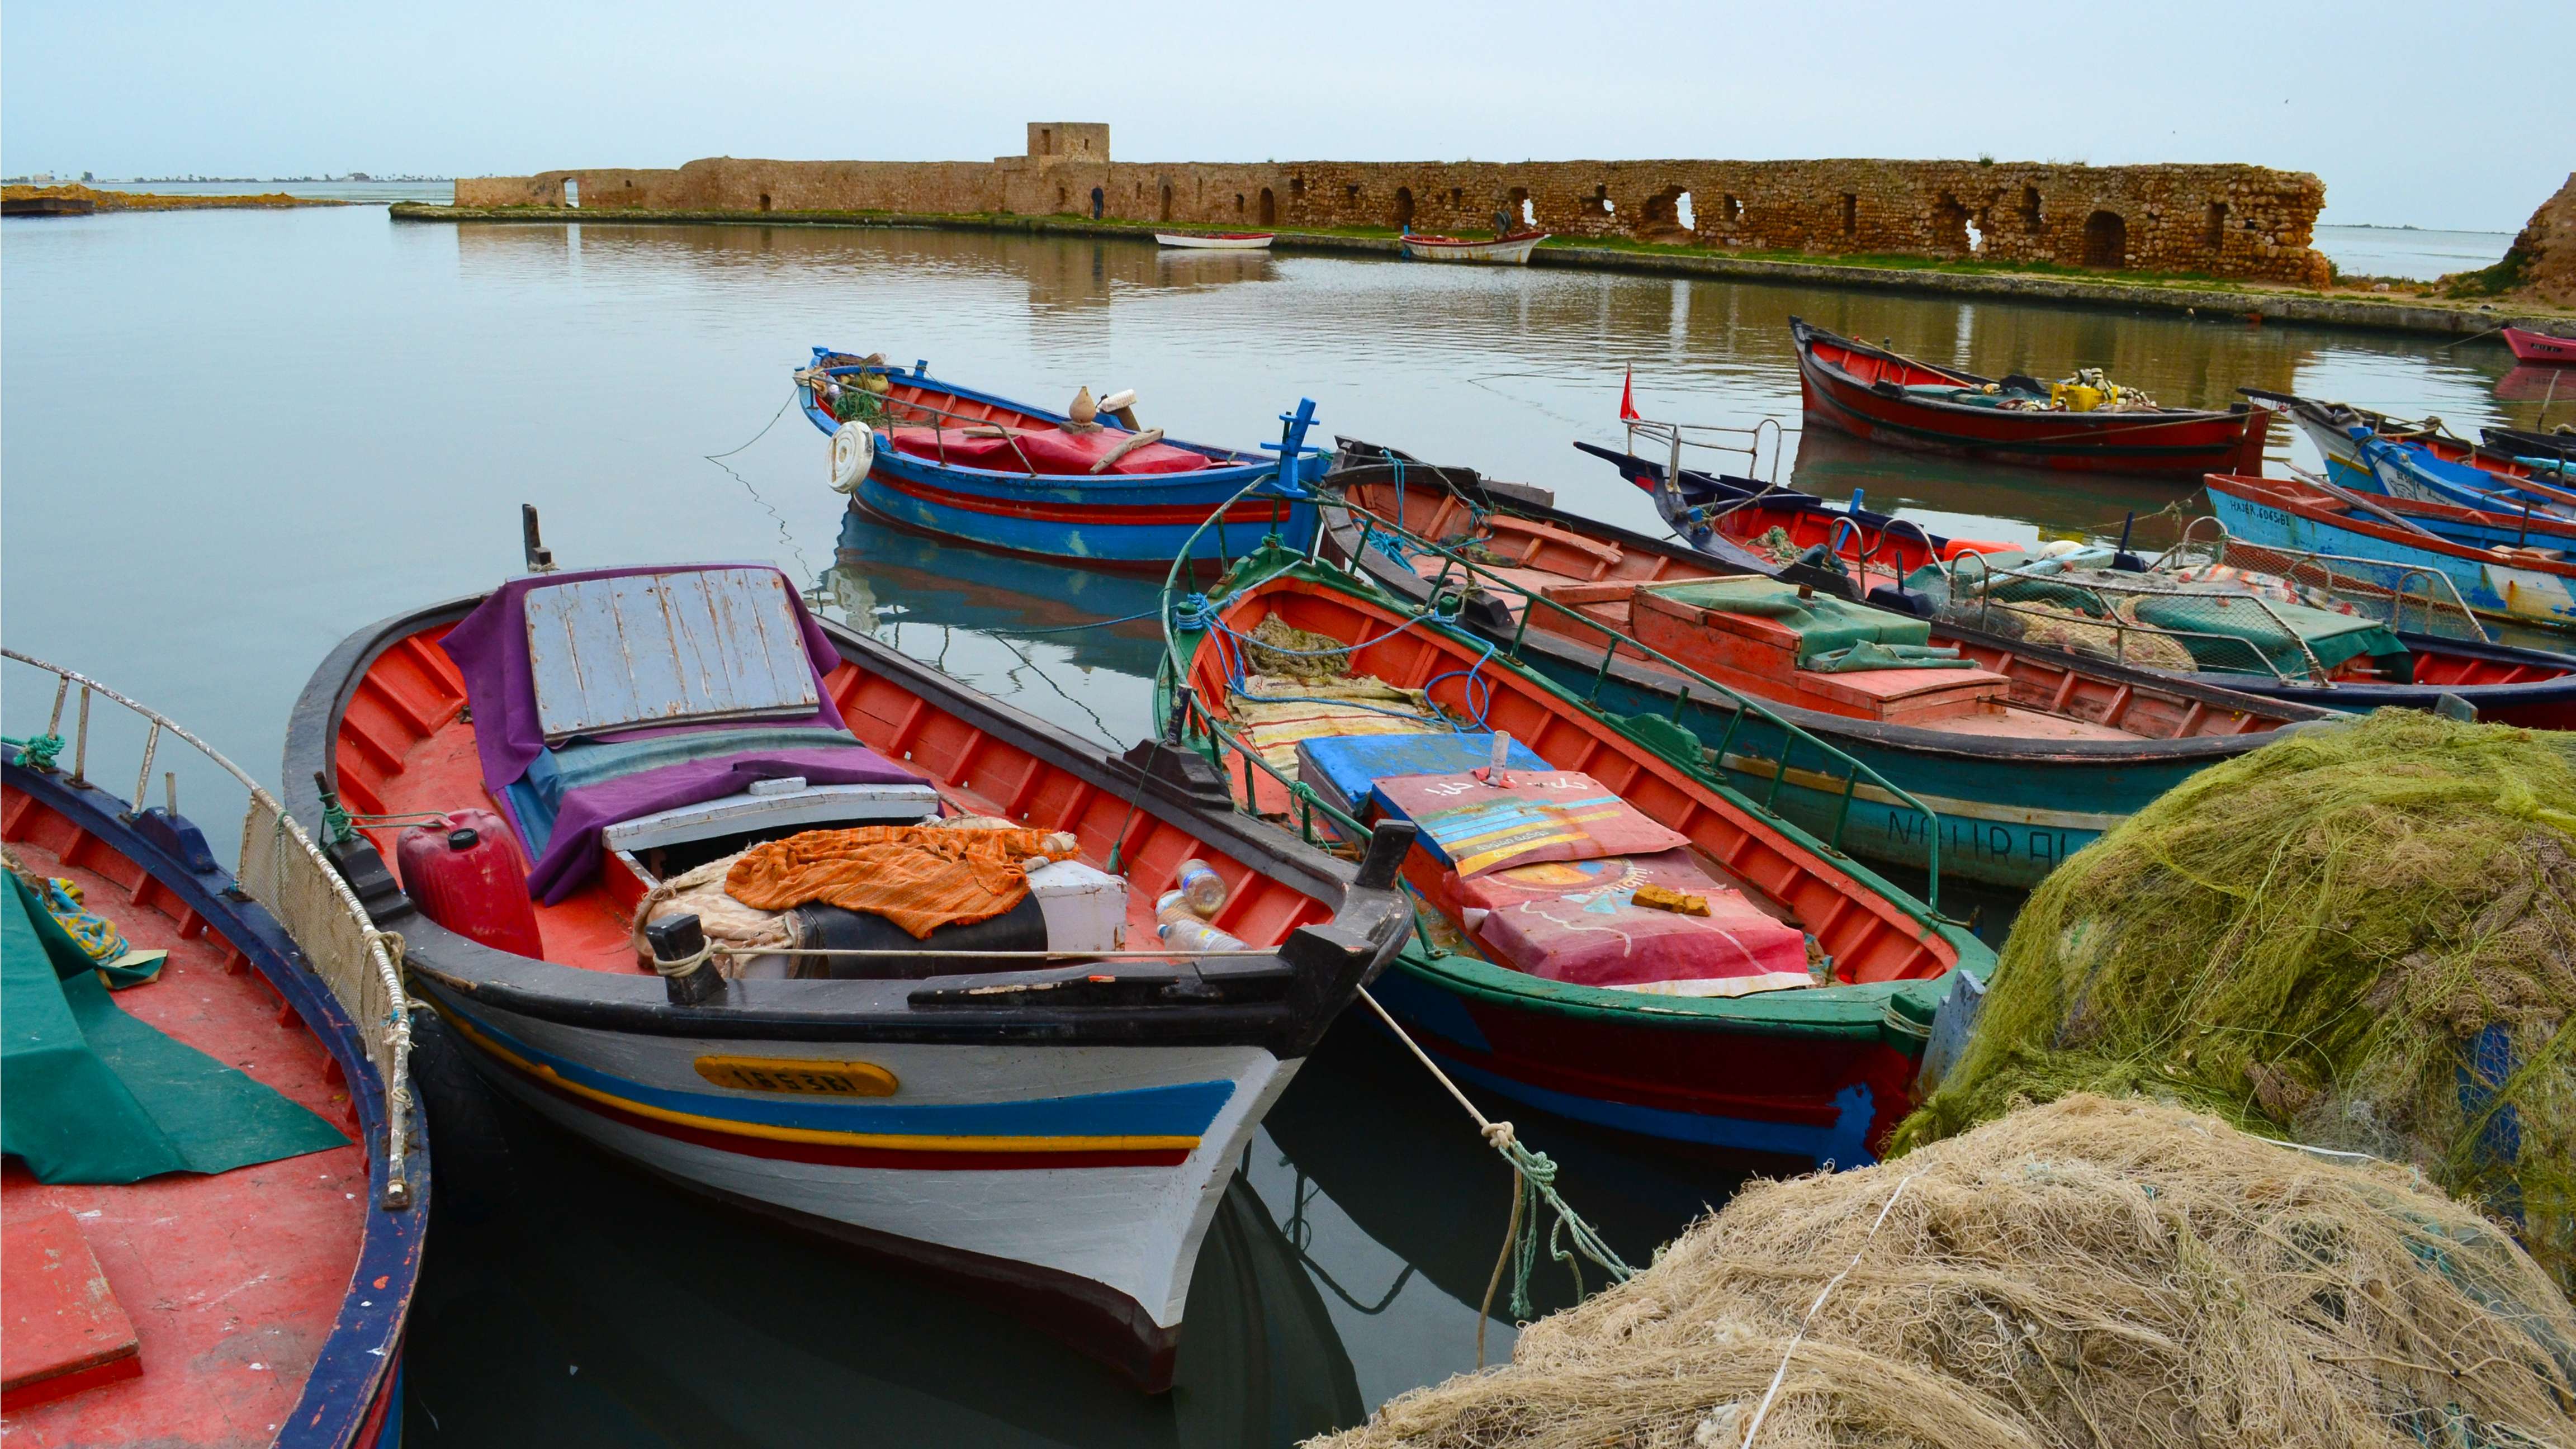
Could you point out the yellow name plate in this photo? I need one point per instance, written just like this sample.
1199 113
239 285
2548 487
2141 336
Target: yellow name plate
795 1074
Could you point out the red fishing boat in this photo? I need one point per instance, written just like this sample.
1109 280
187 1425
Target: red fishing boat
2530 346
212 1215
2085 427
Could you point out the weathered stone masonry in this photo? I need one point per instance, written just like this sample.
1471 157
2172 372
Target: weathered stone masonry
2233 221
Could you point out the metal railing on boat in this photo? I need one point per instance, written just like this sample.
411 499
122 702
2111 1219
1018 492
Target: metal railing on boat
281 869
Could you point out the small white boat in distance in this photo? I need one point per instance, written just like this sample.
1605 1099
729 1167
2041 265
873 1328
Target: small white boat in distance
1501 251
1232 241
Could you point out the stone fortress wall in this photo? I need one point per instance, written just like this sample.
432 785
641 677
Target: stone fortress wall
2219 220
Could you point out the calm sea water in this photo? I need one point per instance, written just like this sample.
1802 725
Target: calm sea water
232 438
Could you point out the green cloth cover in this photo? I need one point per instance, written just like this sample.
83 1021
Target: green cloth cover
1825 624
90 1094
2332 637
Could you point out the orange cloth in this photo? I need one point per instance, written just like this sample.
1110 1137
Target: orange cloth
920 877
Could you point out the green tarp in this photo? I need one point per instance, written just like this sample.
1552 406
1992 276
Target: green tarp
90 1094
1825 624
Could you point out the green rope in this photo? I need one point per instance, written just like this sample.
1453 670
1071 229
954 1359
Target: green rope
1569 1238
38 753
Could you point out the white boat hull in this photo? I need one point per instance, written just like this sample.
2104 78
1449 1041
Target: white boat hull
1214 243
1021 1166
1506 252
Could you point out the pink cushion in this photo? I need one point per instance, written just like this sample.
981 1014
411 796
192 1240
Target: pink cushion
1577 922
1052 452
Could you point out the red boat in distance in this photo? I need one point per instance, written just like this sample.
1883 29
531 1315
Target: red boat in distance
1889 398
2540 347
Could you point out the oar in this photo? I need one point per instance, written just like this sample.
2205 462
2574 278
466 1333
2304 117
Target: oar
2355 500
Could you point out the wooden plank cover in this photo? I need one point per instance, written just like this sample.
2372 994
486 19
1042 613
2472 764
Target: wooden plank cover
65 1329
654 649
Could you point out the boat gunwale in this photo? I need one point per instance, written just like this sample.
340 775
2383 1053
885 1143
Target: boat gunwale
2317 506
365 1334
1805 334
880 1010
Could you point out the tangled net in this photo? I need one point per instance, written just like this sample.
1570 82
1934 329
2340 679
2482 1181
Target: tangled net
2361 937
2095 1274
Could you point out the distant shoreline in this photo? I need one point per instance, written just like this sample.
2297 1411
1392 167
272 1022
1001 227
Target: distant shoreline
155 201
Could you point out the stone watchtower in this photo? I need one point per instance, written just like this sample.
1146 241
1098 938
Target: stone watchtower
1069 141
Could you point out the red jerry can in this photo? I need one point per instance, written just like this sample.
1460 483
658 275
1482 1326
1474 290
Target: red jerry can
466 876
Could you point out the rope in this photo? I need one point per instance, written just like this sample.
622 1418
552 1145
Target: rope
1095 623
784 535
1533 1186
38 753
1763 1410
687 965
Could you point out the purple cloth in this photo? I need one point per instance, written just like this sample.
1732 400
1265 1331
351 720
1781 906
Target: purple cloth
490 648
573 851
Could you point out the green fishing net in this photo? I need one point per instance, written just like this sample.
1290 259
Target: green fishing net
2360 937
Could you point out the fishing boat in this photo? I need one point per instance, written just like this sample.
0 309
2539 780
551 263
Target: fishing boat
2024 749
1502 251
1229 241
2526 443
2084 425
1087 486
2421 456
1762 527
2542 347
2427 471
2513 568
212 1218
1787 1018
1038 1104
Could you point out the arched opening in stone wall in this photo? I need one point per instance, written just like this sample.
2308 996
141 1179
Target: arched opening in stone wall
2034 216
1601 201
1099 202
2214 230
1457 197
1046 140
1977 234
764 201
572 191
1950 225
1732 209
1851 213
1063 199
1517 210
1269 208
1238 203
1402 214
2106 240
1166 212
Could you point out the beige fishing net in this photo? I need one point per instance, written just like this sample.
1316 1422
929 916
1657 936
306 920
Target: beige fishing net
2094 1274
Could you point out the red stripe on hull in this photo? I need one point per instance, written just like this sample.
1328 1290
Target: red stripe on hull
827 1155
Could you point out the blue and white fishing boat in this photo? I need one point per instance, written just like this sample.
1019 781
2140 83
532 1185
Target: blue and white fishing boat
1042 1104
1088 485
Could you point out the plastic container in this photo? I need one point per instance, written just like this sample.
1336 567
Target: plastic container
1201 886
466 876
1192 935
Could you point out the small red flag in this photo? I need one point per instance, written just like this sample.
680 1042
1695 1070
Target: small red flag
1628 398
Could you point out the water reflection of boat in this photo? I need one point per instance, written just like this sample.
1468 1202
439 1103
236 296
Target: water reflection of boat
880 575
1889 398
551 1324
2535 382
1834 464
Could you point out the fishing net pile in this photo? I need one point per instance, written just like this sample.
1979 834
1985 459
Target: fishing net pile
2093 1274
2360 937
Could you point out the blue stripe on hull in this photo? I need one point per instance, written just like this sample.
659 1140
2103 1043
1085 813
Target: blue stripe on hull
1158 543
2260 524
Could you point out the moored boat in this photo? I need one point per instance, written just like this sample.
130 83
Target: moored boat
1085 486
2542 347
2513 568
2024 749
193 1248
2086 426
2559 443
1506 251
1780 1007
2373 452
1232 241
1016 1101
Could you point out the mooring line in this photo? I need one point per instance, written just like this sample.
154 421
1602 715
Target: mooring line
803 568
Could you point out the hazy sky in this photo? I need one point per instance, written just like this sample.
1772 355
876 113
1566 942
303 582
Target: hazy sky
2430 114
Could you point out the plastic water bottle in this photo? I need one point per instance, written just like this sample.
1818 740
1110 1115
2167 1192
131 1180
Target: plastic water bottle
1197 936
1201 886
1502 756
1172 906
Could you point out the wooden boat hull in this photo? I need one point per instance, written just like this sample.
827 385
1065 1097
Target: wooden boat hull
2009 810
351 1396
1818 1074
1509 251
1057 1141
1111 520
2529 688
2543 347
1246 242
1838 383
2514 589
